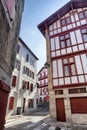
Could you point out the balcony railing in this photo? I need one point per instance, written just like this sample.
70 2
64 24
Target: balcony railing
43 77
44 84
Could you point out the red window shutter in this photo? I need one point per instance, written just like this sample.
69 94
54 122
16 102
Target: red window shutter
31 87
14 81
27 85
10 5
11 103
41 91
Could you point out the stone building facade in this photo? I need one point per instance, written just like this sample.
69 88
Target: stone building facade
10 19
22 97
66 42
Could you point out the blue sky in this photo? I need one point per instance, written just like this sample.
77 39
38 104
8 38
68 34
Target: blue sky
35 11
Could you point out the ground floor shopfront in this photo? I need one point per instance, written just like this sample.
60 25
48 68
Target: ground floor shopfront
69 105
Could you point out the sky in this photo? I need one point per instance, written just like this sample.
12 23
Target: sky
35 12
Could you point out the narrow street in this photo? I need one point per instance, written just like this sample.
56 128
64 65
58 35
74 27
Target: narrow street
30 121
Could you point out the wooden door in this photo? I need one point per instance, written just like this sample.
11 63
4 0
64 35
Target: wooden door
24 100
60 110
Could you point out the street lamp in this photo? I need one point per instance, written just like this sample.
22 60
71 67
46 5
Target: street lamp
46 65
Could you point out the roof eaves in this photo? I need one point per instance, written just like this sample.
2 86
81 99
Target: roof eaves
28 48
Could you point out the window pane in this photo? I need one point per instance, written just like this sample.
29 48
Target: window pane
71 60
68 42
84 31
66 70
85 37
73 71
62 38
66 36
65 61
62 44
68 20
86 13
63 22
81 15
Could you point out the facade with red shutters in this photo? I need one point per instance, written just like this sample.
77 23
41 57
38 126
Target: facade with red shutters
43 93
10 20
66 43
23 84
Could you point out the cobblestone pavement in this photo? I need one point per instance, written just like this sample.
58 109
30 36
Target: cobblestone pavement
38 120
28 123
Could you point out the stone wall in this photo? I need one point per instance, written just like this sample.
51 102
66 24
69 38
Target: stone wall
8 39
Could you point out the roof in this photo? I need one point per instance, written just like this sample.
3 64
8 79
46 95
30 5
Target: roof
28 48
73 4
41 70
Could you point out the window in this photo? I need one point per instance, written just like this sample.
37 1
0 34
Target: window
11 103
86 13
18 49
31 88
41 91
24 83
69 67
27 57
68 20
84 34
63 22
30 103
14 78
77 90
65 41
27 85
81 15
18 65
58 92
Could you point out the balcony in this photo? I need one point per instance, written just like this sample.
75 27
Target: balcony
43 77
44 85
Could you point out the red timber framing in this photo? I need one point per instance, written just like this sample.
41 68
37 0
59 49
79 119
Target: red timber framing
66 38
4 91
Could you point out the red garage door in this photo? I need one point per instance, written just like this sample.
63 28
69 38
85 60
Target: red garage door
78 104
60 110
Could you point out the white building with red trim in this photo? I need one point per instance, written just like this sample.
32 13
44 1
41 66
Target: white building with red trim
66 41
43 93
23 86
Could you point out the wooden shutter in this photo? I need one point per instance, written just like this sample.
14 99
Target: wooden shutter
11 103
78 104
31 87
14 81
27 85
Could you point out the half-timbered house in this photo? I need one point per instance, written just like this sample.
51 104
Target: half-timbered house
66 42
43 94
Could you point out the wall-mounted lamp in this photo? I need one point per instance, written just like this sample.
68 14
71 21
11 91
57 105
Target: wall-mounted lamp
46 65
